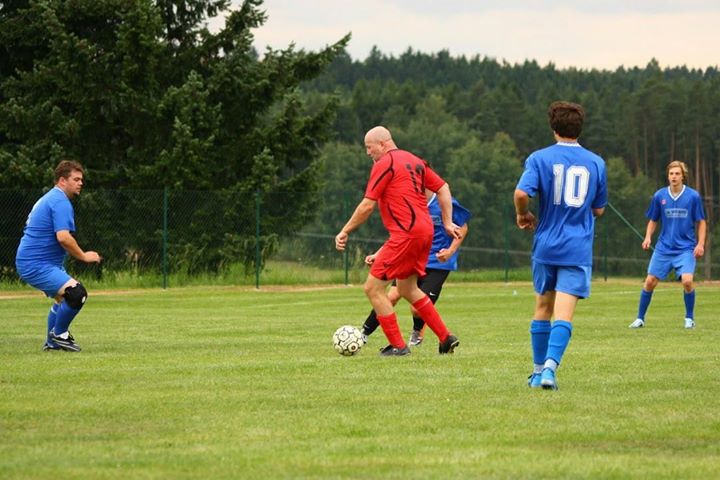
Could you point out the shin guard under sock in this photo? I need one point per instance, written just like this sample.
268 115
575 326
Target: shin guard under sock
427 312
391 328
559 338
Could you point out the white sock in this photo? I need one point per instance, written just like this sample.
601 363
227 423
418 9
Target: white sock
551 364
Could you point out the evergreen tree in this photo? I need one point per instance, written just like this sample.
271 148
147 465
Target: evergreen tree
146 97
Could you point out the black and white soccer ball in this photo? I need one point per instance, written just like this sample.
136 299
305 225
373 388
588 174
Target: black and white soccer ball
348 340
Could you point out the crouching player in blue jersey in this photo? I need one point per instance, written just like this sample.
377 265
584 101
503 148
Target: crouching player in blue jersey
571 185
680 208
42 251
442 260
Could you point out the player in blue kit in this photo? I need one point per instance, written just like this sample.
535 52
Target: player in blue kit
681 209
571 185
442 260
39 260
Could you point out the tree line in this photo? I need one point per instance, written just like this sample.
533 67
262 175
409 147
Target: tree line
646 116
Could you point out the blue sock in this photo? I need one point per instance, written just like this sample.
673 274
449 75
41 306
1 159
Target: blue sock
64 317
539 335
559 338
52 315
645 298
689 303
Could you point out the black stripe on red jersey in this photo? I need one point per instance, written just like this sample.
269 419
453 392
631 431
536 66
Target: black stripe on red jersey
412 218
389 170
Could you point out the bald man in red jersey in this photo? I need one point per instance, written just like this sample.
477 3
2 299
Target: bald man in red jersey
397 184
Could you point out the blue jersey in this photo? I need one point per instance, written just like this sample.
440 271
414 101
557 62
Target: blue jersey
570 181
441 239
679 214
51 214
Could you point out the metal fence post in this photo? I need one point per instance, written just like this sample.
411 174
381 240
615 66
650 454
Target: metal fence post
605 248
165 239
257 239
346 255
507 244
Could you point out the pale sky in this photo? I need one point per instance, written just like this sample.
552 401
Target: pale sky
583 34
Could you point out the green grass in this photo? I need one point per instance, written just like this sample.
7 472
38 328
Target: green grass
218 382
276 272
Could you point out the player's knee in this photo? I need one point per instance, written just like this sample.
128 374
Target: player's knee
373 293
543 307
393 295
76 296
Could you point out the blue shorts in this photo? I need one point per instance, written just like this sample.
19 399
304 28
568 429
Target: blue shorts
661 264
571 280
43 276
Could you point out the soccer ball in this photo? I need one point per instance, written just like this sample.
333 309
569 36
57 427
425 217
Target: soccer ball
347 340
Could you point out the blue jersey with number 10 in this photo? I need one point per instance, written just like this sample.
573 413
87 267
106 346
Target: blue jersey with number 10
570 181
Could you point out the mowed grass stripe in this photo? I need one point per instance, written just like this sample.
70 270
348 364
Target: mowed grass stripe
222 383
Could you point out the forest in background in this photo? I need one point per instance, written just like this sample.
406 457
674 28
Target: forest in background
646 116
154 104
476 120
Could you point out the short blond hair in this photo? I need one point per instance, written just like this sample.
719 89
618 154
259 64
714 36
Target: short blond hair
681 165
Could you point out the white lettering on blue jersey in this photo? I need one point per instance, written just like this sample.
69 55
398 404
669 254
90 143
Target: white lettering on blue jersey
576 185
676 213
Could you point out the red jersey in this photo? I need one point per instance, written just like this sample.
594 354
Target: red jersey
397 182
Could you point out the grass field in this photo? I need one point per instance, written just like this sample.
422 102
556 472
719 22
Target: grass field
219 382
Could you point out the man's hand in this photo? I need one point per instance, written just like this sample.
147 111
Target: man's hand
525 221
699 251
646 244
91 257
444 255
370 259
453 231
341 241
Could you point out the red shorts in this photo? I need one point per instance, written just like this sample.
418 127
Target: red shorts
401 257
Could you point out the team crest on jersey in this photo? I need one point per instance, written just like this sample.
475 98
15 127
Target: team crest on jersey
663 201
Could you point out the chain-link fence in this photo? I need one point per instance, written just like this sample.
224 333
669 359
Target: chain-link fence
199 233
